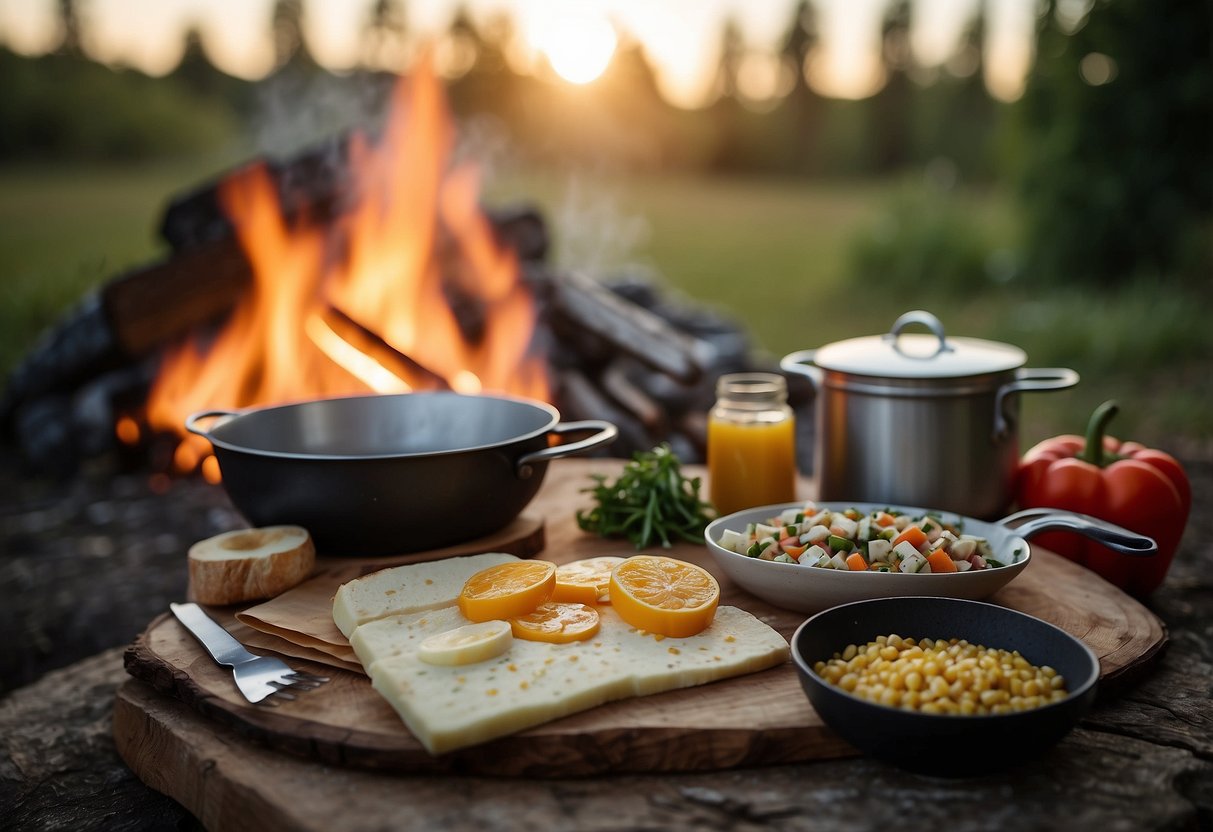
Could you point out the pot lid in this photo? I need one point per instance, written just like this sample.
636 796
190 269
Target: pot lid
918 355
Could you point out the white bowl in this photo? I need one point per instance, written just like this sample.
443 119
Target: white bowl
811 589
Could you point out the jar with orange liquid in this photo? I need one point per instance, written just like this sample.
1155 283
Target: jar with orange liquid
751 443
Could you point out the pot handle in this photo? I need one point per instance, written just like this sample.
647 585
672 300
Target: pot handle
801 363
606 433
1042 378
1117 538
191 421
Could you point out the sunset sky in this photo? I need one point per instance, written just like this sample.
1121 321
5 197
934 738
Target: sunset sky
576 37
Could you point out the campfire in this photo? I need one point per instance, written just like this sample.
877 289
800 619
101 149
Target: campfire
363 265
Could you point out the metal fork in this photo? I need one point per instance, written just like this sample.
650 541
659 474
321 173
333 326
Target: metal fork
258 677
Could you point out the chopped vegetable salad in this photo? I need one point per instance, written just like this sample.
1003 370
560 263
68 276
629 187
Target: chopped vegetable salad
882 541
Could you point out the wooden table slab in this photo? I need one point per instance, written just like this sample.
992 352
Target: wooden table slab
757 719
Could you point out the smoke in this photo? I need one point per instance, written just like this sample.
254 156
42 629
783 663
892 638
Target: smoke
296 110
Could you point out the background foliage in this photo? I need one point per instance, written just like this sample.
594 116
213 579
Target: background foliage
1074 222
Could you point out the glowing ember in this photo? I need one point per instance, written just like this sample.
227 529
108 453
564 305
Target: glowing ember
387 267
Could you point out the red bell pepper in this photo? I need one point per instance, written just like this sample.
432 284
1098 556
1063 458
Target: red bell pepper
1144 490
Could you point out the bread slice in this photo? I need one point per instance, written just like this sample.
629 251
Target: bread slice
534 682
405 589
250 564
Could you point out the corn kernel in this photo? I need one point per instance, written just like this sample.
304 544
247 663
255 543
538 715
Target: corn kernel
941 677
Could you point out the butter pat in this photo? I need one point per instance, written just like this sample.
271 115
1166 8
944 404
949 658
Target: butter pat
406 589
448 708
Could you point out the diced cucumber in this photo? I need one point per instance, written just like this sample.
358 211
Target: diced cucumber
789 515
815 534
762 530
812 556
878 550
734 541
840 544
843 526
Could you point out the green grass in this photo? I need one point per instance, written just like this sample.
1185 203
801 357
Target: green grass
773 254
64 230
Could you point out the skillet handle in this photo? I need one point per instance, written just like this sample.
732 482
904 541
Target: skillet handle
191 421
1037 520
606 433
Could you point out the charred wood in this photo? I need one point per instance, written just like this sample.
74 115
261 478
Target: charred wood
580 398
151 306
370 343
581 306
317 185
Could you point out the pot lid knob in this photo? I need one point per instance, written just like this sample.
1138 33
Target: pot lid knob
919 316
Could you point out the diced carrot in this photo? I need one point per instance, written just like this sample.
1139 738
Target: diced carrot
884 519
793 549
941 561
915 535
856 563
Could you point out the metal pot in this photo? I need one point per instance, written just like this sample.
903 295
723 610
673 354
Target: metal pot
920 419
374 475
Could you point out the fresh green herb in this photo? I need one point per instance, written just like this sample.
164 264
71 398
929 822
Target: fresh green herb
650 502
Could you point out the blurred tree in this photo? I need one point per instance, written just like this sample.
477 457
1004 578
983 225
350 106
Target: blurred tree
802 108
892 106
1118 151
384 36
203 79
725 114
956 119
489 85
286 29
69 20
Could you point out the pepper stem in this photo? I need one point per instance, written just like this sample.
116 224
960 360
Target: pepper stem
1093 450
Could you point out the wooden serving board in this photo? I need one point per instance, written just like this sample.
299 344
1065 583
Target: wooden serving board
760 718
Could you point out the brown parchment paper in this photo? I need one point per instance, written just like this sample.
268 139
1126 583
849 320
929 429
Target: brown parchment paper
299 622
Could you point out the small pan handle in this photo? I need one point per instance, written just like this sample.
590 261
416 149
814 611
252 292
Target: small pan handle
606 433
1037 520
191 421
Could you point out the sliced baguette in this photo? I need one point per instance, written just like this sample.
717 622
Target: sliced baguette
250 564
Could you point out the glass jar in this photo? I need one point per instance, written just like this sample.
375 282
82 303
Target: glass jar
751 443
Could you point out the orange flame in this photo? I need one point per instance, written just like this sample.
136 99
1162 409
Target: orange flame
387 267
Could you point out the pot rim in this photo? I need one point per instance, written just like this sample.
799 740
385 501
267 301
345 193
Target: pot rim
233 416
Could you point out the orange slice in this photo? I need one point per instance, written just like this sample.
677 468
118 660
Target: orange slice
585 581
557 623
507 590
665 596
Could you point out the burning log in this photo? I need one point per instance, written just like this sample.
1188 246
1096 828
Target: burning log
370 343
150 306
316 184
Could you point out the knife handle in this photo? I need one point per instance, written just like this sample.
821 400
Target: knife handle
218 642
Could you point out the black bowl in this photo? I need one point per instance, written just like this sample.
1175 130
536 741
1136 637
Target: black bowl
947 746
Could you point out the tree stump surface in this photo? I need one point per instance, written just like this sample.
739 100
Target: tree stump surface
84 567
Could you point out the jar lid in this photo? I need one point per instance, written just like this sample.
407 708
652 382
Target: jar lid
916 355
